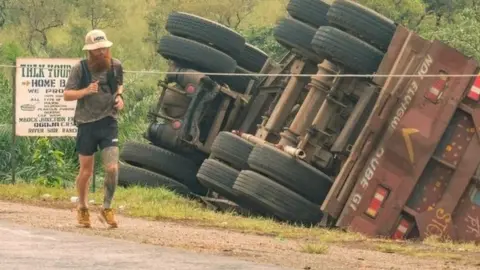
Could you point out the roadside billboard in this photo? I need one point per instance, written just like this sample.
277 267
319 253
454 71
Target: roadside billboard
40 110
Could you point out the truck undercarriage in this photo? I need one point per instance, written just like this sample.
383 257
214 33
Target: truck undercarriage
388 155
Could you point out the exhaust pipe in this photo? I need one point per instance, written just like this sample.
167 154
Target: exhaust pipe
249 137
294 152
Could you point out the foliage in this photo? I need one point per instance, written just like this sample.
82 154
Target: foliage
407 12
49 163
39 18
9 52
6 100
101 13
262 37
230 13
461 35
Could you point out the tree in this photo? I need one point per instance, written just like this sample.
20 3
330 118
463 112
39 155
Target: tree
461 34
440 8
40 16
156 19
101 13
262 37
9 13
405 12
230 13
3 12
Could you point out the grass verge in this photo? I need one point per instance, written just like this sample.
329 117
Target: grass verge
159 204
315 248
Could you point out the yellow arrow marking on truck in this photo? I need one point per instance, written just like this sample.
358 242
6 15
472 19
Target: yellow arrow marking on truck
408 142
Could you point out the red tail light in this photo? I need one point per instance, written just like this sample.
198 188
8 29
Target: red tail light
436 90
377 202
176 124
190 88
474 92
403 228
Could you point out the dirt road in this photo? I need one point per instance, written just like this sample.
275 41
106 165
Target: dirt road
61 250
253 248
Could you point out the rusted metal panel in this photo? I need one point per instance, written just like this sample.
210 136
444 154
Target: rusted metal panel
393 52
462 153
411 56
403 157
466 219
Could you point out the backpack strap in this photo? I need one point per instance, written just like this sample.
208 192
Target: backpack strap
86 78
112 78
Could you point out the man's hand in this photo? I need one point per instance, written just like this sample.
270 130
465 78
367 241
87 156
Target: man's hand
92 88
119 103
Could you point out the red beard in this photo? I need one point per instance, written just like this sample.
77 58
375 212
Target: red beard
99 63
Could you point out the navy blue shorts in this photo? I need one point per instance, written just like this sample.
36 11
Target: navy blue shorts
96 135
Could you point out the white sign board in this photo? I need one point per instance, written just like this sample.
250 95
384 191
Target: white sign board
39 106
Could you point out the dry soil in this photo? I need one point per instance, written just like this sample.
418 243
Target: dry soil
254 248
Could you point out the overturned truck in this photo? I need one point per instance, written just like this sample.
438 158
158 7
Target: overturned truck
387 155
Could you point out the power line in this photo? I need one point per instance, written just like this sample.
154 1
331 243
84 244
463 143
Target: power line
157 72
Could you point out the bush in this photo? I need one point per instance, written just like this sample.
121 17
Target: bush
262 37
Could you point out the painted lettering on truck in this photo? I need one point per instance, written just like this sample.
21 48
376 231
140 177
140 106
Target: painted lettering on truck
374 161
412 90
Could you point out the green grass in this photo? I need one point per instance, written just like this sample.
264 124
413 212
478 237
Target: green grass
419 252
315 248
160 204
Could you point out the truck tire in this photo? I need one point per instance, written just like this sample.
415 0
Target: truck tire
231 149
252 58
195 55
347 50
273 198
291 33
286 170
362 22
218 177
195 155
312 12
162 161
239 83
205 31
129 176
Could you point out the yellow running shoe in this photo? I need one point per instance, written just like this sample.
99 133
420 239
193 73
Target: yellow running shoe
107 216
83 217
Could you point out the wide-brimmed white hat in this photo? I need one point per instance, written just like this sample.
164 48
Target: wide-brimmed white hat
96 39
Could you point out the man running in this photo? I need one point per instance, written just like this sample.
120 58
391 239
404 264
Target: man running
96 83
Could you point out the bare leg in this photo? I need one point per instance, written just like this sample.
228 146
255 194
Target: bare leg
83 179
110 162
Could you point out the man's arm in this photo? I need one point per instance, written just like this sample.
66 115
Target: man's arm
73 94
120 90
